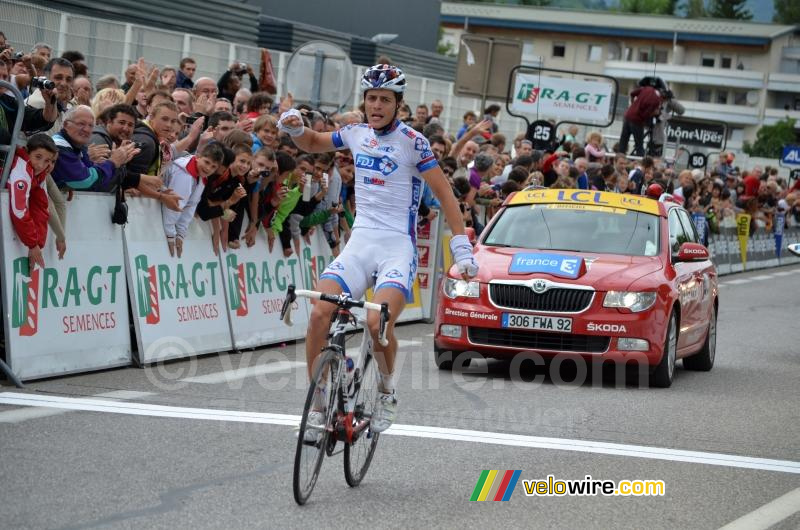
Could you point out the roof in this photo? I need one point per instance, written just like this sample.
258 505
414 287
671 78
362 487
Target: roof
612 24
587 200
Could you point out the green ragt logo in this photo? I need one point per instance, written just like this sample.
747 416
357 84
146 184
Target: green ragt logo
44 289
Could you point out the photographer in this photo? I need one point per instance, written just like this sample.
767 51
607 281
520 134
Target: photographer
669 107
60 72
231 81
33 120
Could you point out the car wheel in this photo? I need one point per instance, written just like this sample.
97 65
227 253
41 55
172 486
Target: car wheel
444 359
703 360
665 371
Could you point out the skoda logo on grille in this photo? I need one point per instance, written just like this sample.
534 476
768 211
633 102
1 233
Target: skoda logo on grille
539 286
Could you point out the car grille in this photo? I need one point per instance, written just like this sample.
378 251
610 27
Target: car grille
555 300
537 340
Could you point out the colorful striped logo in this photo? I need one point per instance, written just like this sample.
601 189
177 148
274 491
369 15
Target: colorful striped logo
495 485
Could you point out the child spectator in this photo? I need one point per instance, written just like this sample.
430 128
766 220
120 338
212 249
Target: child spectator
265 133
28 201
594 147
187 176
222 193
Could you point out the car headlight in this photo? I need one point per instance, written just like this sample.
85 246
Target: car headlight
633 301
455 288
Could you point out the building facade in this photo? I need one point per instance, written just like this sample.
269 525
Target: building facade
743 73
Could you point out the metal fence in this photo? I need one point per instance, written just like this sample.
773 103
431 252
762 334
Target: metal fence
109 46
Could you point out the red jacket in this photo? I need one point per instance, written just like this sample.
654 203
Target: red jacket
646 103
28 202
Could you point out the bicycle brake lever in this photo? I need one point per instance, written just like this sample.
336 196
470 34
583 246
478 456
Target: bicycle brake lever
286 310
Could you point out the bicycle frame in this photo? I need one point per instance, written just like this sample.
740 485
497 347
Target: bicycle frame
344 429
345 413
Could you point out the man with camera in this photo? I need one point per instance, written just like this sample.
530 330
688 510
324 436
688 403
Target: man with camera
231 81
34 119
58 75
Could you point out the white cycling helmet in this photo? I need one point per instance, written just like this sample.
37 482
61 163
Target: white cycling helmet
383 76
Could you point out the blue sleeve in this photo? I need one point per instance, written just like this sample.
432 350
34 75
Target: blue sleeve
425 159
583 182
341 137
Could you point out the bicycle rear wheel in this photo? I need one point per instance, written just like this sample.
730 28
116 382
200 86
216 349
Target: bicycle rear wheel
311 442
358 455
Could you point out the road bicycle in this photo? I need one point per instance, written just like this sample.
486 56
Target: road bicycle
350 390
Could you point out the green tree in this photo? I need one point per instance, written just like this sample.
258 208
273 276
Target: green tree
651 7
694 9
733 9
770 139
787 12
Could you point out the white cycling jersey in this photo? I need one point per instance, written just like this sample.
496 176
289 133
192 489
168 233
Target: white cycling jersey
388 184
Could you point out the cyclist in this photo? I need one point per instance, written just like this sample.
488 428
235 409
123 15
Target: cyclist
389 160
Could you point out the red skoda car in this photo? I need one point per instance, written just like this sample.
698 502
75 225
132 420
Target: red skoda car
602 276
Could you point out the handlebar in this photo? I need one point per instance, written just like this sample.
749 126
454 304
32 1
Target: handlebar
343 301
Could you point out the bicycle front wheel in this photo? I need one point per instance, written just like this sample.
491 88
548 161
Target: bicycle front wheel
313 438
358 455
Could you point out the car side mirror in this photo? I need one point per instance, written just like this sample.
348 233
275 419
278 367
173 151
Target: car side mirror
692 252
471 235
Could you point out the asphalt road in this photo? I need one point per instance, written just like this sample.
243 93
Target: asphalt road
157 451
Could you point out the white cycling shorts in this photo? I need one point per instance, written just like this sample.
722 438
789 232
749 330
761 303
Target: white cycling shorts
385 257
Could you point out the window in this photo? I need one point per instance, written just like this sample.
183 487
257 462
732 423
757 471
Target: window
689 227
726 62
722 97
796 103
677 235
708 61
528 57
595 53
740 98
662 56
645 55
559 49
627 54
704 95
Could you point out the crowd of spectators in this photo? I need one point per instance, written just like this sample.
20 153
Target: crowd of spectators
210 149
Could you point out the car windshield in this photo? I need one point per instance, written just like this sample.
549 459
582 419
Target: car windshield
559 227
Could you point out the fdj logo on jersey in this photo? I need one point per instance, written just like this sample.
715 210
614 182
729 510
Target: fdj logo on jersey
30 295
171 282
383 164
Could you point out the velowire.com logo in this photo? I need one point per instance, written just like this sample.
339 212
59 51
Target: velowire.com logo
494 485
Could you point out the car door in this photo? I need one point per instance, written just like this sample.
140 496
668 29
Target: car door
701 290
684 277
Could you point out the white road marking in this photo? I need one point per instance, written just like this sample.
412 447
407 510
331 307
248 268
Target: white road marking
783 273
228 376
18 415
242 373
419 431
737 282
768 515
761 277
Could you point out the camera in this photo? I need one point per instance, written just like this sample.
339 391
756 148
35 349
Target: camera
42 83
264 173
242 69
18 56
138 145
